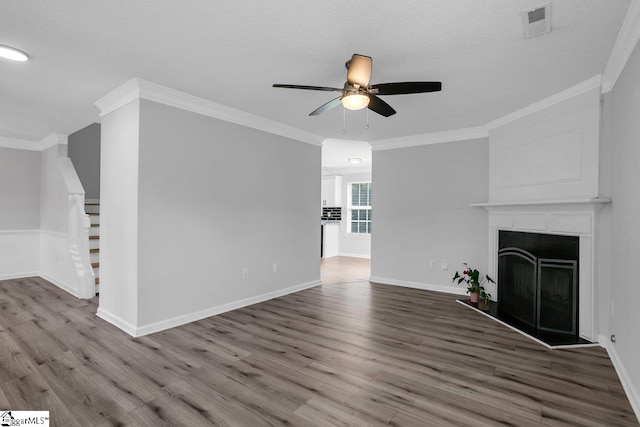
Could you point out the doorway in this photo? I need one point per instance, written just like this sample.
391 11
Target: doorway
346 211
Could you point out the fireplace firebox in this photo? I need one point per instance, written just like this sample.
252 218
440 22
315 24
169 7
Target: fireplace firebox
538 281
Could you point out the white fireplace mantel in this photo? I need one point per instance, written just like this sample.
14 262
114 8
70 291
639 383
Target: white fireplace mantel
574 217
596 202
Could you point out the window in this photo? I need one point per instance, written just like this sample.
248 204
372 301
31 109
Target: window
360 208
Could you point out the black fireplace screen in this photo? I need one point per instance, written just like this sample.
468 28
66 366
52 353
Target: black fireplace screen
538 280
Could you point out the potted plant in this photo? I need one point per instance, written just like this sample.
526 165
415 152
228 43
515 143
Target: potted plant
471 277
483 300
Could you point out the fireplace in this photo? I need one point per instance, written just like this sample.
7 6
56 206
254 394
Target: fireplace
538 281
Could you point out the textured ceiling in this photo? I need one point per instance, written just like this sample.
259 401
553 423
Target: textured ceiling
232 51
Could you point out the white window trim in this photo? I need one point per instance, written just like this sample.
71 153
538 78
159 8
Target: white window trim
350 207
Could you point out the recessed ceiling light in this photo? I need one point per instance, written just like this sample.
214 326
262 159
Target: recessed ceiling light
13 54
354 160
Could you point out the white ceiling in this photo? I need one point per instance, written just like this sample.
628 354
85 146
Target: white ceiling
336 152
231 52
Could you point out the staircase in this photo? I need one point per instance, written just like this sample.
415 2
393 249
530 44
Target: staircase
92 208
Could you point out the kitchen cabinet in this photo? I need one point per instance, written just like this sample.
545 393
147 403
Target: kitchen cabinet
331 191
330 240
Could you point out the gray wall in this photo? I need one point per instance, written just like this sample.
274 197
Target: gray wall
84 152
625 218
214 198
19 189
421 211
54 195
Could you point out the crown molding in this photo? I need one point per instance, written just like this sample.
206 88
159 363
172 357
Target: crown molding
579 89
19 144
430 138
27 144
53 139
623 48
142 89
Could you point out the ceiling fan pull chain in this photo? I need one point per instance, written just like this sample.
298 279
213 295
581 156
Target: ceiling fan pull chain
367 122
344 120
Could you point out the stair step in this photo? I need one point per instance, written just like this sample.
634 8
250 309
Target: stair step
94 237
97 281
93 213
94 251
95 264
95 225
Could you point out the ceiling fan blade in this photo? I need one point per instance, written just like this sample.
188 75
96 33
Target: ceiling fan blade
359 70
404 88
323 88
379 106
326 107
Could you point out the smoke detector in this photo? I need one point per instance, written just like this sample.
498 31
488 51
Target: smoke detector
537 21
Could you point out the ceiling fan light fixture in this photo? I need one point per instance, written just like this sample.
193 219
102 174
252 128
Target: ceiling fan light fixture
13 54
355 101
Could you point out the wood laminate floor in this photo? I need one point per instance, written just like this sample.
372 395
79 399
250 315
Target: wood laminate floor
354 354
342 269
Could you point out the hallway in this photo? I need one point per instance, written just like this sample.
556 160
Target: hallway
341 269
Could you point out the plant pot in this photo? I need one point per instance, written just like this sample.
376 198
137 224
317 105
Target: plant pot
483 305
474 297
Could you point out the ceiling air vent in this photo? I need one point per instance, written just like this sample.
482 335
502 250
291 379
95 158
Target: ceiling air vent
537 21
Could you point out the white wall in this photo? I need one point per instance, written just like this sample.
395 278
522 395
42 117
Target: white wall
624 317
354 245
20 213
84 152
212 199
119 217
57 181
551 154
421 198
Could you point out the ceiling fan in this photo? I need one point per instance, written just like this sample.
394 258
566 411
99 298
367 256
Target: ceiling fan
357 93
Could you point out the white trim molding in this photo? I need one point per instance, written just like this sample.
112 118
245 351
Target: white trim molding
116 321
142 89
463 134
417 285
362 256
138 331
573 91
27 144
632 393
625 44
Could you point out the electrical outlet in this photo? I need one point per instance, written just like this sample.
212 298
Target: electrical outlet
433 264
445 265
245 273
275 268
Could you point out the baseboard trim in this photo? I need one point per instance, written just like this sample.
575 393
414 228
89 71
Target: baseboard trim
59 284
627 385
116 321
418 285
212 311
363 256
18 275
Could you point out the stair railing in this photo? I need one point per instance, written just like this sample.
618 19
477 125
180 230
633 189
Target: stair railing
79 225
